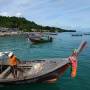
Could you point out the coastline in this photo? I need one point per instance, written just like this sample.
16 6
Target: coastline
10 33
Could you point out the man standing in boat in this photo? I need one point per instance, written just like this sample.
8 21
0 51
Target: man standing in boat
13 61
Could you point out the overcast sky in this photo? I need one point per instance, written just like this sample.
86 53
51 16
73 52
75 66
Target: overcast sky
61 13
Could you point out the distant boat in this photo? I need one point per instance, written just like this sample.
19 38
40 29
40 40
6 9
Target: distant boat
40 38
53 33
88 33
77 35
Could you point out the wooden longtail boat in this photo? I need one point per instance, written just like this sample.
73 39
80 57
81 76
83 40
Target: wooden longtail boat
39 38
88 33
77 35
53 33
42 70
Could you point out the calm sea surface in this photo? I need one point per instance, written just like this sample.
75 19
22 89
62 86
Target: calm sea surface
62 46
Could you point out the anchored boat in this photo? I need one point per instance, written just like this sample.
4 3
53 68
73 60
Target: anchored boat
87 33
77 35
39 38
42 70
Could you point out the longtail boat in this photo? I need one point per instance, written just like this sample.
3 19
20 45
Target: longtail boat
39 38
77 35
39 71
88 33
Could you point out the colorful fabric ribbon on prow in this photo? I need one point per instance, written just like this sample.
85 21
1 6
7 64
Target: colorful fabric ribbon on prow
73 58
73 61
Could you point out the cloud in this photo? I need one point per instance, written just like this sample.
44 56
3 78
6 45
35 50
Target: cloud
25 2
18 14
3 13
4 1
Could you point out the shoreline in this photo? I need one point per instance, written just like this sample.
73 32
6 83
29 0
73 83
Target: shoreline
11 33
18 33
8 33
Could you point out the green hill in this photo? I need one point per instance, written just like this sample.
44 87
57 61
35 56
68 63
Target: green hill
25 25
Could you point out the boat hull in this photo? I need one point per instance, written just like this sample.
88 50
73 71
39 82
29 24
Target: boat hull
46 78
39 41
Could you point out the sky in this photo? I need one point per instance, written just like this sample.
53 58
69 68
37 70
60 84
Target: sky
68 14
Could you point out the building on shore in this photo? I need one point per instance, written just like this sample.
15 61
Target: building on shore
9 31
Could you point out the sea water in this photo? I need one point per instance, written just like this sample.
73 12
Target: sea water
62 46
